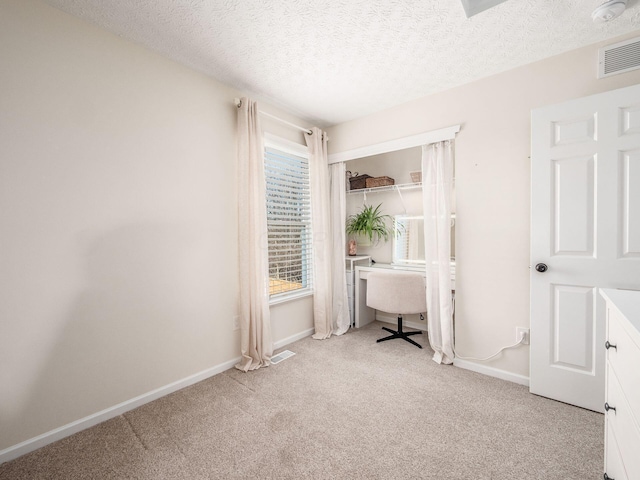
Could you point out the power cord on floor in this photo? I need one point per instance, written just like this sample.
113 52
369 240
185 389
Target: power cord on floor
520 342
523 339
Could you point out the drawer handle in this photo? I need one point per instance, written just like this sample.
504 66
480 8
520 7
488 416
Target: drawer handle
608 407
608 345
607 477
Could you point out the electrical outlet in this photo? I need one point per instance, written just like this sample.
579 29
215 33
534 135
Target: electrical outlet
522 331
236 322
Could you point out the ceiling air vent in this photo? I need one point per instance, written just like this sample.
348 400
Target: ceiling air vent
619 58
473 7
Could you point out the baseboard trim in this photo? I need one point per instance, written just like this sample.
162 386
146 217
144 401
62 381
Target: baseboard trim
492 372
64 431
59 433
293 338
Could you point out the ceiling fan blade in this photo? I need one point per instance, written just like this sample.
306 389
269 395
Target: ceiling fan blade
473 7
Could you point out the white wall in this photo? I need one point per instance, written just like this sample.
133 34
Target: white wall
396 165
118 258
492 185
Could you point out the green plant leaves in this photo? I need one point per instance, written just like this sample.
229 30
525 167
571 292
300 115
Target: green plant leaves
370 223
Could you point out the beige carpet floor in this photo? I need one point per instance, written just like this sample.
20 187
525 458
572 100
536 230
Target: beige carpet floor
343 408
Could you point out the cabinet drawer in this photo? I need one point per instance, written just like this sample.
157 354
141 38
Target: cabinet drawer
623 426
612 461
350 276
613 466
625 361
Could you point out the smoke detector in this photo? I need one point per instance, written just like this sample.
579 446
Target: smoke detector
608 10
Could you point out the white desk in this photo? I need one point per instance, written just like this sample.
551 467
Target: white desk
365 315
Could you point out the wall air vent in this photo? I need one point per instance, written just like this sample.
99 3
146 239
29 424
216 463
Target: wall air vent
619 58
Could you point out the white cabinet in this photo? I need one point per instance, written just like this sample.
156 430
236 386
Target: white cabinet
351 263
622 407
350 295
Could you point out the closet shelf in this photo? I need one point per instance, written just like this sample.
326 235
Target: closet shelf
386 188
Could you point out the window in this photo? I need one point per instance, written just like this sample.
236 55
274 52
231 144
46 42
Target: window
288 218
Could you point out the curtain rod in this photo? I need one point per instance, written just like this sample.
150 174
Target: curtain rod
237 102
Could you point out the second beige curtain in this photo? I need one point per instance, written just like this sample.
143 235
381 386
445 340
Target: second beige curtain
255 323
330 307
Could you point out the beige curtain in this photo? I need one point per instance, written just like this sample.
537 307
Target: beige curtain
338 203
255 324
330 307
321 231
437 179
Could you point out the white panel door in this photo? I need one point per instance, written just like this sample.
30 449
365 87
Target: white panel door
585 235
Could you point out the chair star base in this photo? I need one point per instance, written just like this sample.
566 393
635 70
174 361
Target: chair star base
400 334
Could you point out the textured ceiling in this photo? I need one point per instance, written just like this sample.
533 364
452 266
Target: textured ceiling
335 60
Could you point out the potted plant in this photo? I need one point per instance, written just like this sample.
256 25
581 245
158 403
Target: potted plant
369 225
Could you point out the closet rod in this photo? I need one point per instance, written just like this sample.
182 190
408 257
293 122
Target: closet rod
237 102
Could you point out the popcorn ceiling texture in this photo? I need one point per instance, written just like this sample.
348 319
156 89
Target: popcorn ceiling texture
337 60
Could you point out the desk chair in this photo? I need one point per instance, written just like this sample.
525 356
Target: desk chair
400 293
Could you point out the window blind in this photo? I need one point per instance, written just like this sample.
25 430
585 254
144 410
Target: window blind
288 222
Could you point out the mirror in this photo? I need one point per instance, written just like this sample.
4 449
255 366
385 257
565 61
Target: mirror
408 242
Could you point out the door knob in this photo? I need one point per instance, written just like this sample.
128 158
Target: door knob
541 267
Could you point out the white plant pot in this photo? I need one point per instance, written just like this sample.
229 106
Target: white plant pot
363 241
